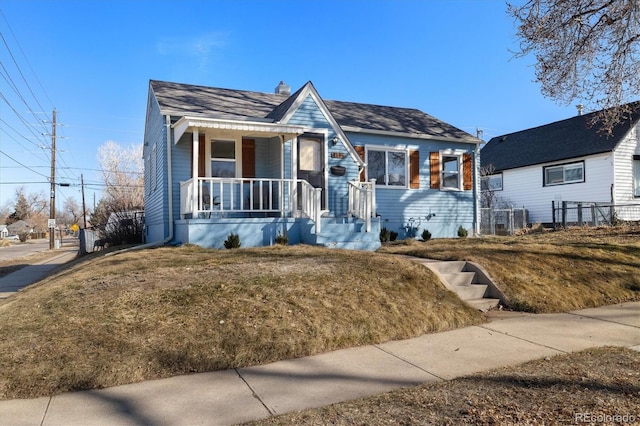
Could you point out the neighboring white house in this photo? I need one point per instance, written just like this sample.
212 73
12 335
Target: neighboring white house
567 161
4 232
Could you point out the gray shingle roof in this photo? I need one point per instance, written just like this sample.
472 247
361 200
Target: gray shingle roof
571 138
184 99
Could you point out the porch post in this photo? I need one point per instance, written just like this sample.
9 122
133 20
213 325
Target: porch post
294 171
194 177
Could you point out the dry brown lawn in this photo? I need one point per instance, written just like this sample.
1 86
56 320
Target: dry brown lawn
550 271
161 312
596 386
138 315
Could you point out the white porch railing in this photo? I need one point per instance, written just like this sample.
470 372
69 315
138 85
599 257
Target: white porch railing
311 205
246 195
362 201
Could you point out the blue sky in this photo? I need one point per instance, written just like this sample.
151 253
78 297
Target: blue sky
92 60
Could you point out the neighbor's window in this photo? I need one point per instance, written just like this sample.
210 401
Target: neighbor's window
636 175
565 173
387 166
223 158
450 171
491 182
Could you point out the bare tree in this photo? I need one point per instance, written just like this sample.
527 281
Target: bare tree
487 194
71 212
119 216
586 51
123 175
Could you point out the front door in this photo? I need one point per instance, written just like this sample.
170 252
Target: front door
311 161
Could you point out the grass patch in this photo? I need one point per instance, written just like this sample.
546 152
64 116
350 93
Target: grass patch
552 271
601 381
147 314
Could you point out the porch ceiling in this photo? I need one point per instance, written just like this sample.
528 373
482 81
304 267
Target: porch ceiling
240 128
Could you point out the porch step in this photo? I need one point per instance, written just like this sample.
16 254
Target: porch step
345 233
340 225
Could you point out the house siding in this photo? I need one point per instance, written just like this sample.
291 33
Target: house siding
440 212
155 205
523 187
623 169
310 115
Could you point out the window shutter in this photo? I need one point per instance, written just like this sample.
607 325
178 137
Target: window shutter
467 172
360 151
434 169
248 158
414 169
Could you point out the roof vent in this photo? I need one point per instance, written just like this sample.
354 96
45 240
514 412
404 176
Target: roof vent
283 89
580 108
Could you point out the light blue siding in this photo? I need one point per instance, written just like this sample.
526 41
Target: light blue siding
156 213
441 212
310 115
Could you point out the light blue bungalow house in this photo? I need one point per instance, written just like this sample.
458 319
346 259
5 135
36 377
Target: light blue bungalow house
317 171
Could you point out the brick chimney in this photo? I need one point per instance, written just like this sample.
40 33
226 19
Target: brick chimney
283 89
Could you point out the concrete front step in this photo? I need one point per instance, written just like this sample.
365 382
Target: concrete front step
459 278
469 281
470 292
447 266
483 304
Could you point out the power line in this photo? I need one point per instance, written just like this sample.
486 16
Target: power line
26 58
16 63
26 167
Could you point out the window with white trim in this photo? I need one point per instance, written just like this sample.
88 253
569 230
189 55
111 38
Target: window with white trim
636 175
491 182
223 158
564 174
450 176
388 166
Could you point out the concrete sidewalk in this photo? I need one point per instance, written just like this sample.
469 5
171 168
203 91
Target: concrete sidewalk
14 282
245 394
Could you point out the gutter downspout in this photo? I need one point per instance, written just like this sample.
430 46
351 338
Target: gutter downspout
169 179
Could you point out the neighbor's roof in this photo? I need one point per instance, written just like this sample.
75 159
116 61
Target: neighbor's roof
571 138
185 99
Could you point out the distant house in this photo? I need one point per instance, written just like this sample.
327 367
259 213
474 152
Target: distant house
318 171
4 232
567 161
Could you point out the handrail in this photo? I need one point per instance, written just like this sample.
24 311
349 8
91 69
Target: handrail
362 201
311 203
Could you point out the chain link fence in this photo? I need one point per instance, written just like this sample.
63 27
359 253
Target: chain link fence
502 221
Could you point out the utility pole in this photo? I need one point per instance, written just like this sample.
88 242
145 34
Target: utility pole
84 208
52 203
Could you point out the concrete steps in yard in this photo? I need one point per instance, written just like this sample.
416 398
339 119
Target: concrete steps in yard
469 281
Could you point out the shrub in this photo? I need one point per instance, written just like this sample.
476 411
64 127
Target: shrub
462 232
393 235
385 235
282 239
232 241
426 235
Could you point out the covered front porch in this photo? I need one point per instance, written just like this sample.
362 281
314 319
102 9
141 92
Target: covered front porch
268 176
